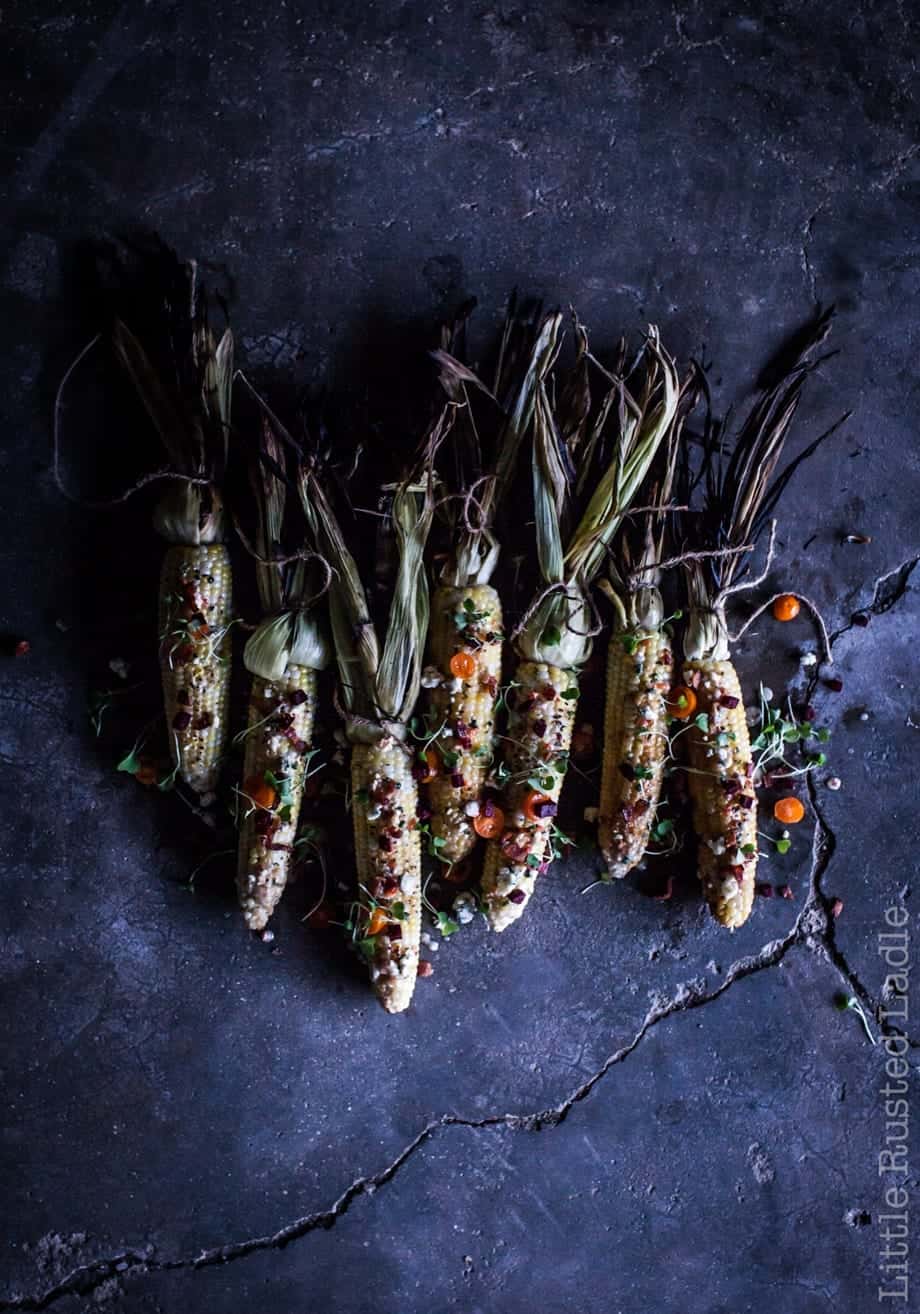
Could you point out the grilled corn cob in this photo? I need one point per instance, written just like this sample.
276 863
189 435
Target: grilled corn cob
195 617
279 733
742 488
639 662
540 735
465 643
722 791
183 377
283 655
378 692
466 654
389 862
635 745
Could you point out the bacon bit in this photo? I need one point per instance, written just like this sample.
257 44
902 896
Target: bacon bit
183 654
665 660
729 700
204 720
425 967
731 787
463 735
836 908
385 843
738 873
394 931
539 727
548 693
423 812
182 696
835 684
785 892
764 889
264 823
489 683
515 845
182 720
456 779
517 896
284 719
627 770
667 892
746 801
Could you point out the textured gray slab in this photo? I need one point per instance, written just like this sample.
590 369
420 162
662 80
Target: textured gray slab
616 1105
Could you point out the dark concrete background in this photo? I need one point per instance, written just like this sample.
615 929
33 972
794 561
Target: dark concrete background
616 1106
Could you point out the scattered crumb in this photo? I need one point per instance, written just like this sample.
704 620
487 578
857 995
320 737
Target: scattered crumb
857 1218
833 782
118 666
760 1164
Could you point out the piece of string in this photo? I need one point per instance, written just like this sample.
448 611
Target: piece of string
135 488
353 718
534 608
746 584
688 556
809 606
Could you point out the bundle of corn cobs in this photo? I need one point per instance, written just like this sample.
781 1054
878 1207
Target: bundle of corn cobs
574 482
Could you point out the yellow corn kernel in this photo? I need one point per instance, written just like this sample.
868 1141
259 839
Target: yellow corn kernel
278 737
635 746
195 618
722 792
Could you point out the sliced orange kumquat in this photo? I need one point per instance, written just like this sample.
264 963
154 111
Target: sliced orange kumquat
378 920
787 607
789 811
462 665
489 827
261 793
682 703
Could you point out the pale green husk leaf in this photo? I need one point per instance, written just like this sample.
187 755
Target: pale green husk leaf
293 638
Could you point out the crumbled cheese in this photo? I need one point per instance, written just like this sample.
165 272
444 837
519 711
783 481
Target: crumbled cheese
374 812
591 815
464 908
407 883
454 686
809 659
472 808
717 844
834 782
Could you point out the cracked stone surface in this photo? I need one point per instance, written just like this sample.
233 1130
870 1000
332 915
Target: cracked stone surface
616 1103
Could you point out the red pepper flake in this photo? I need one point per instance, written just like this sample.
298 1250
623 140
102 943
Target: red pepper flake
456 779
729 700
732 787
425 967
539 727
764 889
489 683
836 908
738 873
284 720
835 684
548 693
665 660
182 720
390 887
394 931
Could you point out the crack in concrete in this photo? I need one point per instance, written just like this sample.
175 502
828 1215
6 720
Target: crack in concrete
895 168
808 268
812 928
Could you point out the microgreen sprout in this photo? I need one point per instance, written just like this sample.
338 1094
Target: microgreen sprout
776 732
850 1004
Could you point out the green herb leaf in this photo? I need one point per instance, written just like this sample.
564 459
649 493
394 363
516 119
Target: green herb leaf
643 773
368 946
532 860
823 735
749 850
130 763
662 829
552 634
702 722
446 925
783 845
630 643
569 694
398 911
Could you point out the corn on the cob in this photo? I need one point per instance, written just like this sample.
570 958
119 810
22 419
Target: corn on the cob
465 646
722 791
388 856
183 377
639 662
283 655
378 692
466 655
635 745
539 737
279 733
195 617
741 491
